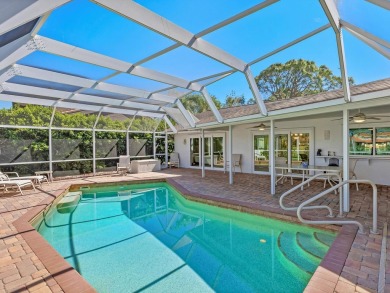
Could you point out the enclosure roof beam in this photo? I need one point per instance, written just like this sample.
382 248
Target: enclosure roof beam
370 40
185 113
73 52
14 51
213 28
52 116
155 22
97 118
67 96
381 3
333 16
371 43
131 122
25 14
52 76
74 105
296 41
212 106
332 13
253 86
171 126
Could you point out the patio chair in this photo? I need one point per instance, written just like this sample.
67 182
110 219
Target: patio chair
282 174
174 160
6 183
236 163
332 162
124 165
38 179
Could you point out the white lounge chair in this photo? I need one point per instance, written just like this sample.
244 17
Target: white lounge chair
6 183
124 165
38 179
174 160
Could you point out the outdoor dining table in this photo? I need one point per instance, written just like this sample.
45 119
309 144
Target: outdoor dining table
305 170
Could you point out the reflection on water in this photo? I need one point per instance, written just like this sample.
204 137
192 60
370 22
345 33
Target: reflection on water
148 237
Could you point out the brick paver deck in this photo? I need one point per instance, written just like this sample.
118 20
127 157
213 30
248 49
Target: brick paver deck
29 264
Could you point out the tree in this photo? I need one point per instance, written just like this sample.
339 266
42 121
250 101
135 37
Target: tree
296 78
251 101
233 100
196 103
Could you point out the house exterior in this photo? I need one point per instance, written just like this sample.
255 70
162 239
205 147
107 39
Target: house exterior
303 126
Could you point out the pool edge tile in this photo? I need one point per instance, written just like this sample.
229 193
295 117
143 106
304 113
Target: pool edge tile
64 274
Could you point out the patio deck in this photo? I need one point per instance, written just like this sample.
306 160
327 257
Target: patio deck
28 264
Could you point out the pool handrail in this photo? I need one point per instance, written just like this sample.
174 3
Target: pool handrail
374 229
311 207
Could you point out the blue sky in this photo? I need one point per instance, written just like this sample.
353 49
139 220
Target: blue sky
89 26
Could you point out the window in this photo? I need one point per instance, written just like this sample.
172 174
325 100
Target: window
360 141
382 141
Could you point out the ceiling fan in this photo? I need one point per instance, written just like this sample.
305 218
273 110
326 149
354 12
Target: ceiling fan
261 127
360 117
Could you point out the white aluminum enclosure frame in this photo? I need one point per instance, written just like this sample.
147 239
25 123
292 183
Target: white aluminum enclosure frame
132 101
27 44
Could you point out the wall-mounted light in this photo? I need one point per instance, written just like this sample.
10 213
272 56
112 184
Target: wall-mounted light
185 141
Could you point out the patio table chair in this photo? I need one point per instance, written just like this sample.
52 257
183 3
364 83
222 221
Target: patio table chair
124 165
282 173
352 174
174 160
236 158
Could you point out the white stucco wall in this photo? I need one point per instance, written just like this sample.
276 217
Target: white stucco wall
375 169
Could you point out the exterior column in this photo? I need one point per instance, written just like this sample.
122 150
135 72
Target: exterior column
94 151
50 151
345 174
127 143
154 144
166 149
272 157
51 142
230 154
202 153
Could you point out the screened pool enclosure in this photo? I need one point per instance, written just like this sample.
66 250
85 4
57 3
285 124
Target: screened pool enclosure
83 82
71 142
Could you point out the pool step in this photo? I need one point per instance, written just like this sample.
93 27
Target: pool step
311 245
69 202
325 239
295 254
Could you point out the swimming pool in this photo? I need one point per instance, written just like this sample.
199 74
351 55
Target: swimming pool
147 237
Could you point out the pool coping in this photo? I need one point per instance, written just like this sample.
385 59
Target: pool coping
326 275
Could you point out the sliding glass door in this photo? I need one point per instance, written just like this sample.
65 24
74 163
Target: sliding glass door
292 146
213 151
300 147
261 152
195 151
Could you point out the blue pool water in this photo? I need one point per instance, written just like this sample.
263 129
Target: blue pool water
135 238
